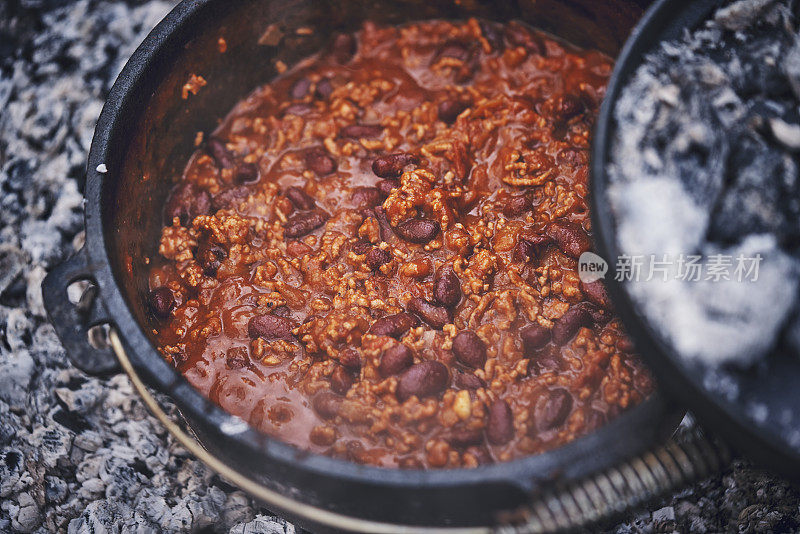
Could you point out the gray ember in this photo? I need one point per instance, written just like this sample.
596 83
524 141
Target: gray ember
705 162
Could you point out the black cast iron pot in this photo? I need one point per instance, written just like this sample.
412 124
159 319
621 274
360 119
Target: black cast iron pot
145 135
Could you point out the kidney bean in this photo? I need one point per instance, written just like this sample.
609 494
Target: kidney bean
467 380
327 404
344 47
590 98
341 380
222 156
350 359
447 288
500 425
246 173
270 327
386 186
303 223
210 256
299 88
423 379
492 35
550 410
324 89
570 237
569 324
186 201
201 204
236 358
528 248
395 360
418 230
394 325
568 106
377 257
161 301
625 345
300 198
435 316
450 109
230 198
282 311
469 349
518 35
596 292
534 337
392 165
361 131
299 110
361 247
320 162
524 251
516 206
464 437
367 197
546 361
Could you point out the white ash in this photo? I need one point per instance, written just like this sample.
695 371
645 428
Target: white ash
261 525
704 163
664 514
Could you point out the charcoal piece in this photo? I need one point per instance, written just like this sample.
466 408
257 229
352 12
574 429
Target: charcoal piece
693 147
753 67
760 196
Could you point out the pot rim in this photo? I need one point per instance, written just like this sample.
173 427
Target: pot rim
526 473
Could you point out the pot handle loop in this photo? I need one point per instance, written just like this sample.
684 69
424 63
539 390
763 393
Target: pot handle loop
72 322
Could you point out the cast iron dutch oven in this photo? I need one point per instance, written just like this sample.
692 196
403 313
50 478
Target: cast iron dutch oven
144 136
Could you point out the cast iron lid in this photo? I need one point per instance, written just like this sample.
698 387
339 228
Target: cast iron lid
771 384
